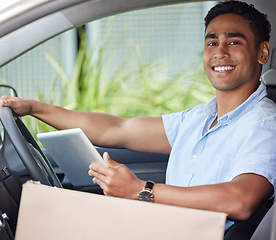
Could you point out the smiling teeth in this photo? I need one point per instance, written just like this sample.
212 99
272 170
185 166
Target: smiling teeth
223 68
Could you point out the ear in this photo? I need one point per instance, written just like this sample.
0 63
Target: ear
263 52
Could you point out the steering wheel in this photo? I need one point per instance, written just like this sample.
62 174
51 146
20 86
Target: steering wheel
20 159
18 136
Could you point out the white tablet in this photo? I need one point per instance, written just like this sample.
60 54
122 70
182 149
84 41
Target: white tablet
73 152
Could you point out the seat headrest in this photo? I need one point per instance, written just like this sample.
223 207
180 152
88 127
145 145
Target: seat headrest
273 59
269 77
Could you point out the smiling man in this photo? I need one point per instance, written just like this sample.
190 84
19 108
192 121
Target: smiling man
222 154
233 59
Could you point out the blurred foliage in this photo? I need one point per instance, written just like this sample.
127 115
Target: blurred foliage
124 92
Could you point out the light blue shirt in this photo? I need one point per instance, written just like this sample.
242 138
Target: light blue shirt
243 141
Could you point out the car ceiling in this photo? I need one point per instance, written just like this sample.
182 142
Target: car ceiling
12 8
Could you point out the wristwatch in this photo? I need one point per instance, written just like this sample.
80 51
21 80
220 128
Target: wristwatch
146 194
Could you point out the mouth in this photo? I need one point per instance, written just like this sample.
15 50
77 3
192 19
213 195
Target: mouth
223 69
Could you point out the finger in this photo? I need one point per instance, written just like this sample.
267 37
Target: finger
94 180
110 163
4 101
11 102
96 174
92 172
98 168
102 175
100 183
94 166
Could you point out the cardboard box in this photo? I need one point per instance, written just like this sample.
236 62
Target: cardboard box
48 213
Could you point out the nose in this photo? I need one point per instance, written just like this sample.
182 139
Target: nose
221 52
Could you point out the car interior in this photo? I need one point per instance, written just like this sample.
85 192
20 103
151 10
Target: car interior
21 157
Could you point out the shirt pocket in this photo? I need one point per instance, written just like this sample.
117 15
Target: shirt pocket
208 169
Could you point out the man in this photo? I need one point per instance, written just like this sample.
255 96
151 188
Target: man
222 154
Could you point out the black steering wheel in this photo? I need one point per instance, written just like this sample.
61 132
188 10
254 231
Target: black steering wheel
17 136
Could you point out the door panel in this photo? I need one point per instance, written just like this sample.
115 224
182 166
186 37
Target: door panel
146 166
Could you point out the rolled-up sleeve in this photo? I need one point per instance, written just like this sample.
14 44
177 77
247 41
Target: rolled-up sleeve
172 124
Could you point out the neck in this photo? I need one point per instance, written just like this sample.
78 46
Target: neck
227 101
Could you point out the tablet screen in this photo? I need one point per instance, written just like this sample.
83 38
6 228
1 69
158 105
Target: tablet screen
73 152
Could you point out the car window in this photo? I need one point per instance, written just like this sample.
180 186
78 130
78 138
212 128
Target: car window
146 62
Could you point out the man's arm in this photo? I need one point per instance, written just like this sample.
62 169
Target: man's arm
141 134
239 198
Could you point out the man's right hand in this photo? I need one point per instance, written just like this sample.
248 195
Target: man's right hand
20 106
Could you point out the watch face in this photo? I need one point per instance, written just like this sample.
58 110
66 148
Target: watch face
146 196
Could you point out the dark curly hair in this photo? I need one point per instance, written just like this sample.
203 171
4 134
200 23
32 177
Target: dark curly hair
259 23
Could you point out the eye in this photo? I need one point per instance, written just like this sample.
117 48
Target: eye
211 44
234 43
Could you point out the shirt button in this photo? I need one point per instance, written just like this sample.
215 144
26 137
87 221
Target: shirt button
194 156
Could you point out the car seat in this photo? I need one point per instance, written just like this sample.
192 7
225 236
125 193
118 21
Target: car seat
246 230
265 231
269 77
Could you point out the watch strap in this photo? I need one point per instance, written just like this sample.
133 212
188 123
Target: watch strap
149 185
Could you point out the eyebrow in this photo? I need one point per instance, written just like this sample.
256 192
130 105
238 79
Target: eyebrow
235 35
227 35
211 35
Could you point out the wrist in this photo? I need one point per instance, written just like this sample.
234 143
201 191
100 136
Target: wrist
139 187
146 194
36 108
32 109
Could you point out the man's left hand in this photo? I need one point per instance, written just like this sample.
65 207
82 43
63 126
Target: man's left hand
116 180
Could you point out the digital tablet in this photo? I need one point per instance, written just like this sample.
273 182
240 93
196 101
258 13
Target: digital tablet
73 153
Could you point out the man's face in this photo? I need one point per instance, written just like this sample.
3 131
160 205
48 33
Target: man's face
230 54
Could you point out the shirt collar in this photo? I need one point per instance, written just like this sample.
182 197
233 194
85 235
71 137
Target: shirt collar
259 94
